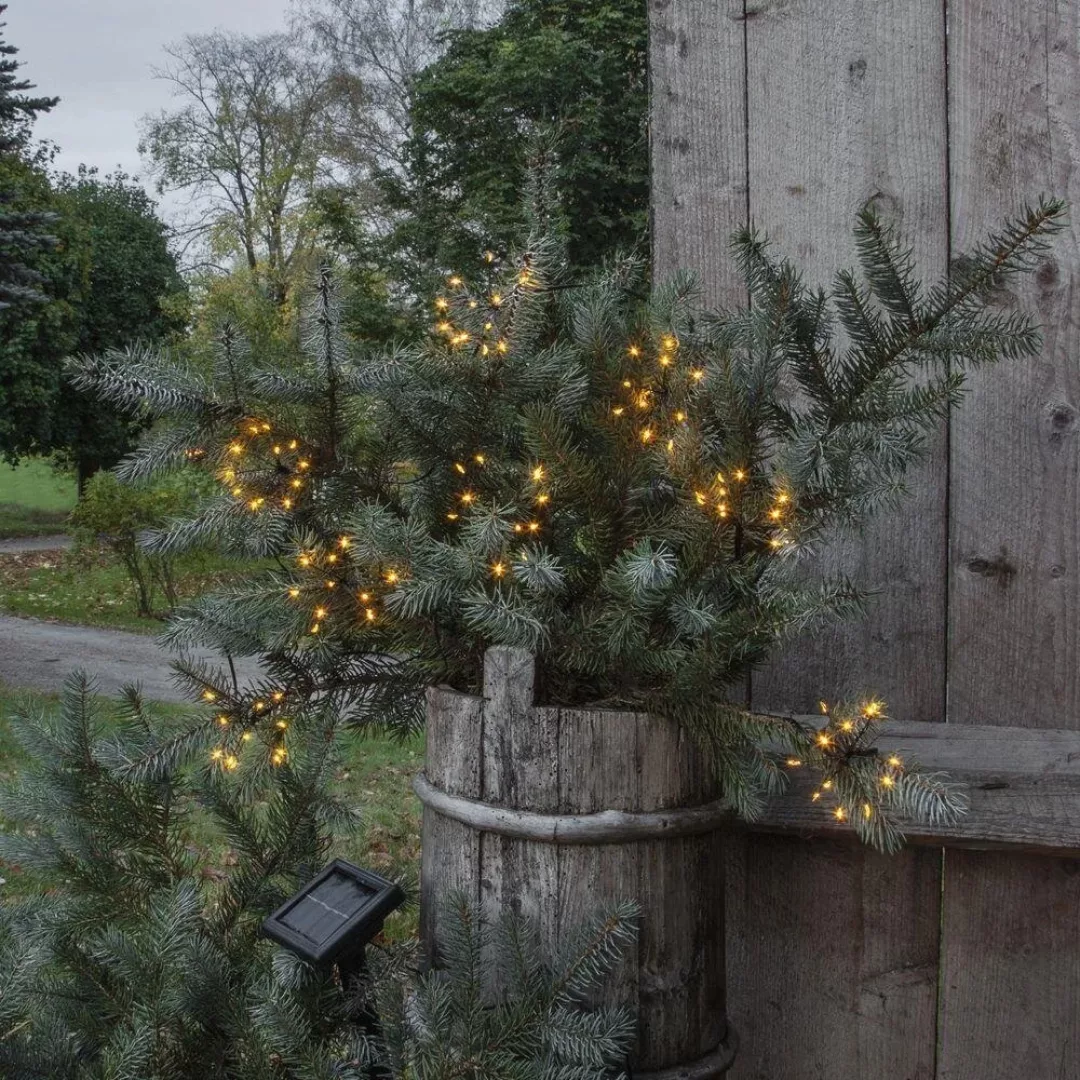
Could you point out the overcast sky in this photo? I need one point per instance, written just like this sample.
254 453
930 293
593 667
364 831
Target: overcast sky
97 55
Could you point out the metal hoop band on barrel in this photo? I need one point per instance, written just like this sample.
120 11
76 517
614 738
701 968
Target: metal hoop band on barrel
604 827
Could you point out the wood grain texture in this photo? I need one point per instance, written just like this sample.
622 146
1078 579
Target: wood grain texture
1011 968
846 104
698 140
1023 786
840 116
825 981
451 852
1011 957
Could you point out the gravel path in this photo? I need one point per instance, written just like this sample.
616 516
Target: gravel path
18 544
41 655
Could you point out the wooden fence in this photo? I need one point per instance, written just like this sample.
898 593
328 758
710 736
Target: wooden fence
946 962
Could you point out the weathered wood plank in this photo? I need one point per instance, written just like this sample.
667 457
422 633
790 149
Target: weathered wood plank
1023 784
846 103
1012 969
812 1014
451 850
698 140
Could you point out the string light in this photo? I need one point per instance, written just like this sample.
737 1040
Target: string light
498 569
209 695
294 592
895 762
502 347
793 763
442 303
538 473
697 374
496 300
888 782
543 500
369 614
634 351
278 755
468 497
460 468
840 814
647 435
455 282
872 709
392 577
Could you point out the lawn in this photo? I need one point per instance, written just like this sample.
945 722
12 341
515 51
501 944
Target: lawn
92 590
34 499
378 778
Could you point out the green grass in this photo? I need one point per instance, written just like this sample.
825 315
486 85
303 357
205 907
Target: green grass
34 499
377 778
92 590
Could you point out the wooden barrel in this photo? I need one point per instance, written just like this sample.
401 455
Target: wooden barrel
553 813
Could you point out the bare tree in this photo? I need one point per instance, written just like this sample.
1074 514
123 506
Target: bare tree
250 140
384 45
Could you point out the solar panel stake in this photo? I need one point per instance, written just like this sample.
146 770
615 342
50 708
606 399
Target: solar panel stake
332 919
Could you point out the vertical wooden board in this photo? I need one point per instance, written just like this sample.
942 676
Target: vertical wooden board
829 976
832 949
450 851
1012 953
681 951
1011 968
598 770
698 140
1015 620
847 105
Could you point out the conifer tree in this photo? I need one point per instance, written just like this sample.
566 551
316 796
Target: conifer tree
599 472
22 232
132 962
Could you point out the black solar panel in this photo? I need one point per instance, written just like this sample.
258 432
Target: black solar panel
323 911
335 913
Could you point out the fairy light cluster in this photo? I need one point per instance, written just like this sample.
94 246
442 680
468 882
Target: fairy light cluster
262 470
482 321
848 734
241 719
332 583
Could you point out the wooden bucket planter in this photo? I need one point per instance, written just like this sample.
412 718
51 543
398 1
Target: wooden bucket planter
553 813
